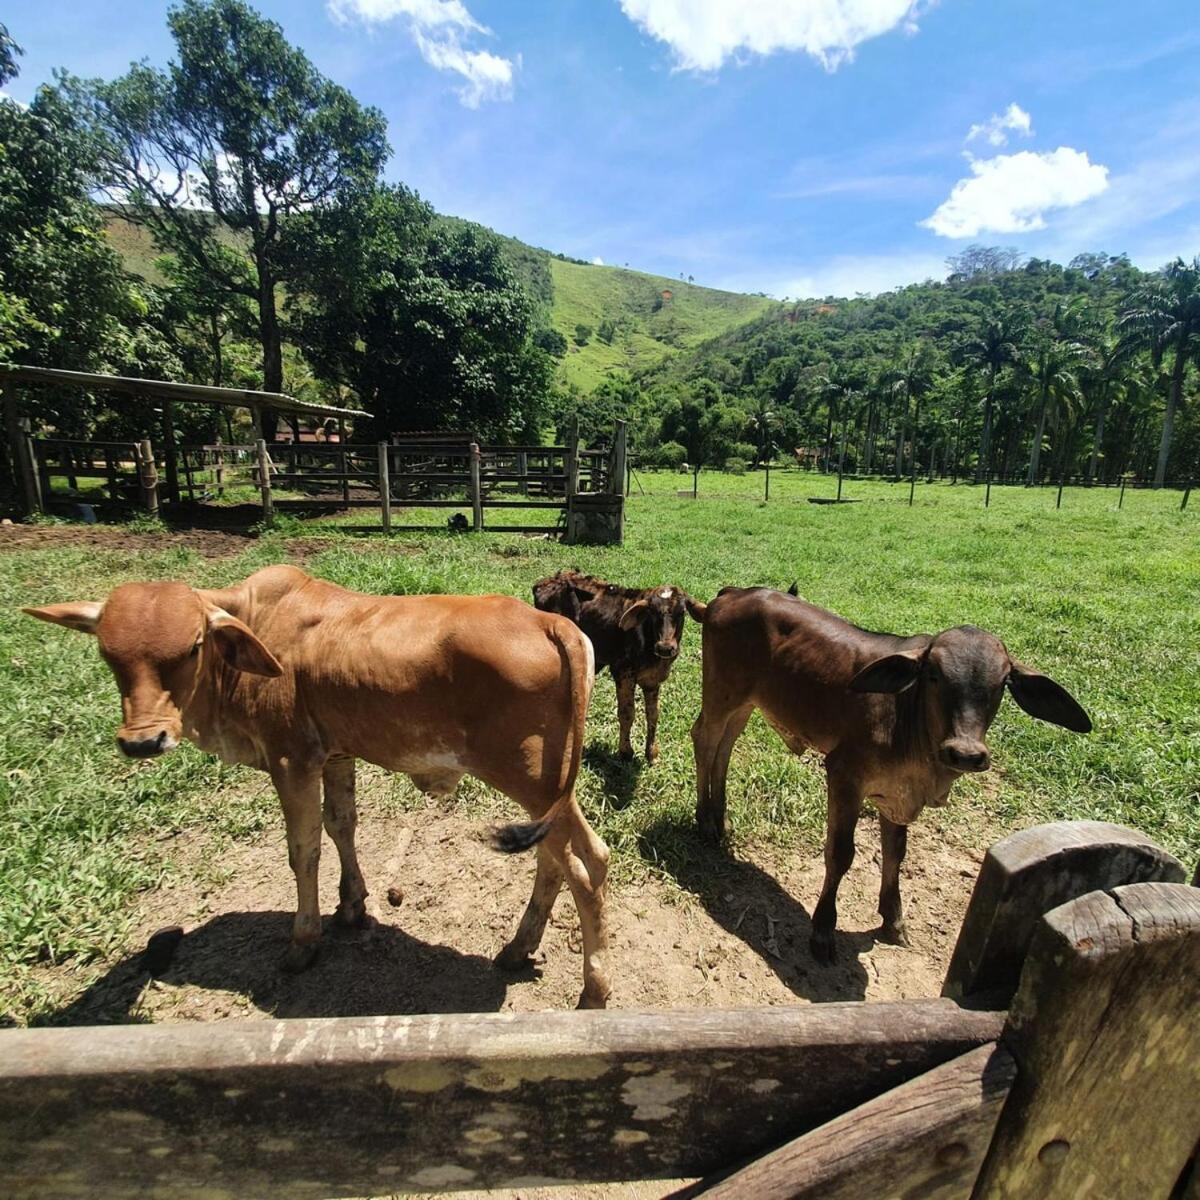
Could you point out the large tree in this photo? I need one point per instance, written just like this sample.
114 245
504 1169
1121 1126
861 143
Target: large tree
423 320
1056 355
997 343
236 137
1164 315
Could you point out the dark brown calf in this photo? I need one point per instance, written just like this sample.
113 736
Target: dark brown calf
898 720
634 632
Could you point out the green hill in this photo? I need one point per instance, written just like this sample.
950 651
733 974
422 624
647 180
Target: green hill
653 319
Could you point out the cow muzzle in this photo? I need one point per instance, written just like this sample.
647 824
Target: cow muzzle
668 652
965 754
146 745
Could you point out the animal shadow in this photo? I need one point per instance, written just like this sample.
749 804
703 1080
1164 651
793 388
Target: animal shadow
618 776
744 900
370 972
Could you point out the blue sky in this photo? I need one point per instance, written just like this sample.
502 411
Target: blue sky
794 147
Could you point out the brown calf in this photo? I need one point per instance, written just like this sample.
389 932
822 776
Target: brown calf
635 632
299 678
898 720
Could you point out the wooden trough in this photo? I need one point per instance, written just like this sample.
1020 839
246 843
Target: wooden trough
1088 1085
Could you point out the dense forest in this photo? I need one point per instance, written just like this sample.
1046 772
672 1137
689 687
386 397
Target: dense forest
281 260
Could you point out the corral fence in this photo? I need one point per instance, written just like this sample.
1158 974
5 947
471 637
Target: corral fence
1061 1060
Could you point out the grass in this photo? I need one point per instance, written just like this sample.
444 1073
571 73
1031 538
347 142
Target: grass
1103 600
586 295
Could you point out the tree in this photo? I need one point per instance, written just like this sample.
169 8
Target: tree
1110 356
607 331
913 380
423 320
550 340
997 343
9 53
241 125
582 334
1054 360
1164 315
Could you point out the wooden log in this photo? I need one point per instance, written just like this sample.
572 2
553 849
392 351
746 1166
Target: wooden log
264 479
373 1105
1105 1033
572 457
476 493
385 488
926 1138
1027 874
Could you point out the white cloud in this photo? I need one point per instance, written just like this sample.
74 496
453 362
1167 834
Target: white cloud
704 33
439 27
851 274
1014 119
597 261
1011 193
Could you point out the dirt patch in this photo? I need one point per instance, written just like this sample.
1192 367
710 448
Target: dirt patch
210 543
715 931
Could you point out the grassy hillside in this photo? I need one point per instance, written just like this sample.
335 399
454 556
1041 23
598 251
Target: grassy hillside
649 329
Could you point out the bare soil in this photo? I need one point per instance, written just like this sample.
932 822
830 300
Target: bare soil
211 543
716 930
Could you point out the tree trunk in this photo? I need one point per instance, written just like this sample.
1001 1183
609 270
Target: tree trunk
1101 414
985 440
1035 455
1164 447
214 327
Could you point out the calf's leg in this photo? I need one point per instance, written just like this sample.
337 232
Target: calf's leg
528 937
841 818
300 794
625 707
341 817
894 839
650 698
713 741
584 860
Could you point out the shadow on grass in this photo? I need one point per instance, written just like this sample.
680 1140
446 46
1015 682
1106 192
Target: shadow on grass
618 776
746 901
368 972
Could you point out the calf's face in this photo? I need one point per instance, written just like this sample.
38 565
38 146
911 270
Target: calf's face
962 674
157 638
660 614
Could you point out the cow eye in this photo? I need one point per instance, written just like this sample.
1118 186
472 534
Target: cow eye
194 650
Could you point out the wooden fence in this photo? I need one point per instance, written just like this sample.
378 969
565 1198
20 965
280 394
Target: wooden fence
1062 1060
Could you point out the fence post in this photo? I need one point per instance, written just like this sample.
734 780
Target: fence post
1058 502
1187 491
21 449
476 490
616 482
1104 1032
572 464
169 451
1025 875
264 480
523 471
1121 497
148 477
385 488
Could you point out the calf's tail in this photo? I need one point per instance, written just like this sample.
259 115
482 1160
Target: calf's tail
524 835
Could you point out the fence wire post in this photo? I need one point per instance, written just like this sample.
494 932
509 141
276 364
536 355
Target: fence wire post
385 488
1121 497
476 490
1187 491
264 481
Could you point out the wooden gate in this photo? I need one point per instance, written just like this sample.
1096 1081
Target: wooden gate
1085 1082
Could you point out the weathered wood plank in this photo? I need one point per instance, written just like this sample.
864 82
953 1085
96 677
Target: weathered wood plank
1106 1035
926 1138
366 1106
1027 874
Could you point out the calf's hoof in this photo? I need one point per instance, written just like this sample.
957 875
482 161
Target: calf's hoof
299 957
822 948
353 916
712 830
651 753
626 755
895 935
591 999
511 958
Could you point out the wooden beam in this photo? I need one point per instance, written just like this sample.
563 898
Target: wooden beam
373 1105
476 492
1027 874
264 480
1105 1033
169 452
926 1138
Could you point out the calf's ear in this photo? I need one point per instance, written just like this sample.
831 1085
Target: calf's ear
638 611
239 647
79 614
893 673
1041 697
697 610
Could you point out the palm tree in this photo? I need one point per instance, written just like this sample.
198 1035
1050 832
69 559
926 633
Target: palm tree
1164 315
913 379
1110 355
1053 366
998 343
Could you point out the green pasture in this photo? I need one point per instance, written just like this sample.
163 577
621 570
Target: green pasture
1105 600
